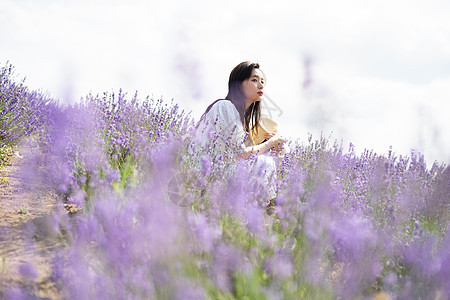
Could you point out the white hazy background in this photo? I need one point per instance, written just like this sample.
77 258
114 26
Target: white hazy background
374 73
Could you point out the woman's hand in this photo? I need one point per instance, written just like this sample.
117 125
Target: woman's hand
276 143
268 135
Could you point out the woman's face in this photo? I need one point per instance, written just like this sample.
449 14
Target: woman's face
252 87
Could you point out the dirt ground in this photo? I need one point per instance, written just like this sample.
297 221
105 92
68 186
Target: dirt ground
28 239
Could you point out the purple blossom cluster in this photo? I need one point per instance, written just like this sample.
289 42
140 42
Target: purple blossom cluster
362 216
109 141
22 112
343 226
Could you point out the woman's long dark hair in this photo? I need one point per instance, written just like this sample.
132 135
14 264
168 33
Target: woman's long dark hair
252 115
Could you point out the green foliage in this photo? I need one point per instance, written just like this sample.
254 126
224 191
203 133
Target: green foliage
22 211
129 176
250 286
6 152
234 232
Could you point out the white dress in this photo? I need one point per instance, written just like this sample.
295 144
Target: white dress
222 136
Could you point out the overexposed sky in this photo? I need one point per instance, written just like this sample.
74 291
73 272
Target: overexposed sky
374 73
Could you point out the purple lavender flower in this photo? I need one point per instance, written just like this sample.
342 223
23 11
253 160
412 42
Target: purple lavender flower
280 266
27 270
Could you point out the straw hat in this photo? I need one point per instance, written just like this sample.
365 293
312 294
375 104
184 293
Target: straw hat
266 125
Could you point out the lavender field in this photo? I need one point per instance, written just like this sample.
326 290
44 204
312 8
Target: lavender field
160 218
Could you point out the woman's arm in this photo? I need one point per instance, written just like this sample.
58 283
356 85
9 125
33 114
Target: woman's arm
276 142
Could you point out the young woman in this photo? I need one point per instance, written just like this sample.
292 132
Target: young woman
229 121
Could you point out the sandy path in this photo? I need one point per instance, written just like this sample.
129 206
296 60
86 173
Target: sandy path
26 235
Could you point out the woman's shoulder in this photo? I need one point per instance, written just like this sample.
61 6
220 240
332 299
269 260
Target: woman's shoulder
224 105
